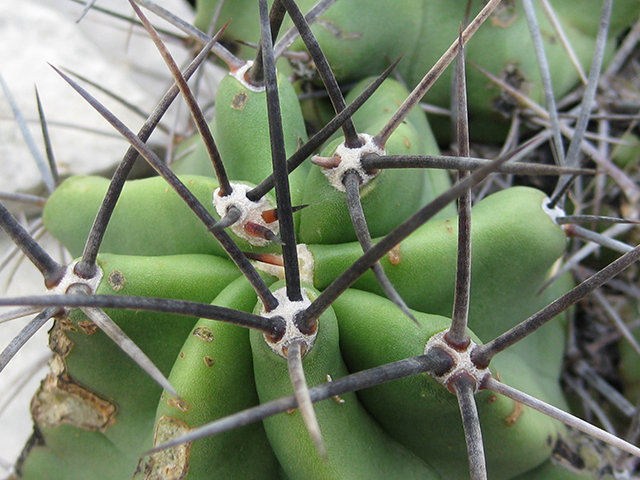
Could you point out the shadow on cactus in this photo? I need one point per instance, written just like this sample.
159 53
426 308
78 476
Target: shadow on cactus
349 324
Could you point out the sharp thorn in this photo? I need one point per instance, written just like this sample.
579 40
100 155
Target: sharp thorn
271 216
301 393
261 231
325 162
232 216
270 258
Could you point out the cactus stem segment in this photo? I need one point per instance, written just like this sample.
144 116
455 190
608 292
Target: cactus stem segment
568 419
103 216
351 183
323 135
360 266
128 346
432 75
203 214
437 362
483 354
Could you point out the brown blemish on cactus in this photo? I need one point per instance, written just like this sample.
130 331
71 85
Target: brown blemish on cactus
88 327
504 14
179 404
336 398
447 226
59 343
204 333
117 280
172 463
208 361
182 355
394 255
65 323
518 409
61 400
239 101
506 103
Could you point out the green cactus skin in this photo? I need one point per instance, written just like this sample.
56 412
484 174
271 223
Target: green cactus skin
422 30
384 432
355 22
135 228
374 332
87 400
213 375
394 93
511 247
243 23
242 127
357 448
502 46
327 220
526 252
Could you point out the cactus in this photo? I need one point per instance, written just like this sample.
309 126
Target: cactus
204 316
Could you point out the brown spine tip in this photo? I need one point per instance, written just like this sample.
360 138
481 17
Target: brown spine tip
270 216
269 258
261 231
326 162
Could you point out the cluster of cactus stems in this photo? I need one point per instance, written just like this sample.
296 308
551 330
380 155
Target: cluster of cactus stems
354 323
